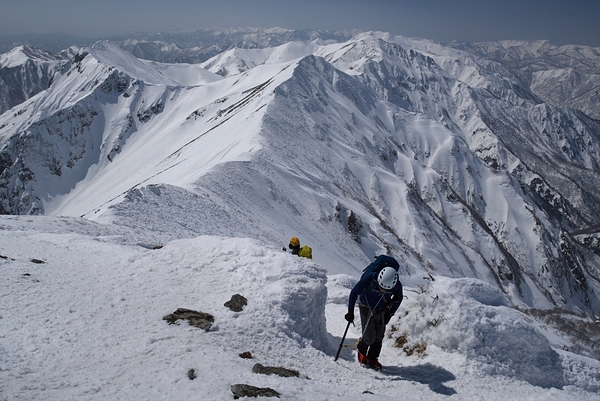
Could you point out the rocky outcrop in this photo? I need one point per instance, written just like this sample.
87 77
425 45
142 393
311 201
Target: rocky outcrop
236 303
245 390
197 319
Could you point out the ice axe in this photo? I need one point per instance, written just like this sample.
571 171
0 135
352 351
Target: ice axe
342 342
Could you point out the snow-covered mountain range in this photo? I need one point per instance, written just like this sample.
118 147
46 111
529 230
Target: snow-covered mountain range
463 161
197 46
25 71
563 76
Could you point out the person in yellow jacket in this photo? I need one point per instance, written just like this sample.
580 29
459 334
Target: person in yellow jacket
296 249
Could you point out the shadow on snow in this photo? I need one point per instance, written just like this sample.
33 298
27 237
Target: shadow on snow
431 375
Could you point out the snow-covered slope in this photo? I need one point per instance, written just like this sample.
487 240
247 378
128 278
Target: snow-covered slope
428 156
380 144
563 76
451 168
107 98
24 72
85 321
236 60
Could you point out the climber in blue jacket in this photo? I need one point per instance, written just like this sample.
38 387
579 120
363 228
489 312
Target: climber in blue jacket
379 294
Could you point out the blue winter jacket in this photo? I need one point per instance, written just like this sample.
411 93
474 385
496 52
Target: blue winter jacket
371 295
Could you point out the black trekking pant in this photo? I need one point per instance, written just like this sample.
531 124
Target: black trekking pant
373 328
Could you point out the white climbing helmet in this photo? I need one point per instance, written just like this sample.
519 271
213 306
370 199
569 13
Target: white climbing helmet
388 278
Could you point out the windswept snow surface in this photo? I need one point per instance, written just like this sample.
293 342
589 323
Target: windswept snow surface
87 324
377 145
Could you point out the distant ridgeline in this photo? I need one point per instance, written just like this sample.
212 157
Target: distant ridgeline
467 160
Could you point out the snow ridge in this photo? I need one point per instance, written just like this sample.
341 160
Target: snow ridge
444 159
370 115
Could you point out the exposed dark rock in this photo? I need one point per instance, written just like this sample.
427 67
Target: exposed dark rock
192 374
271 370
146 114
38 261
246 355
236 303
197 319
355 226
351 220
245 390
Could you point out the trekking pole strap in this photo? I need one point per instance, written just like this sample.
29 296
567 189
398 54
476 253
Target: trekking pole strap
351 345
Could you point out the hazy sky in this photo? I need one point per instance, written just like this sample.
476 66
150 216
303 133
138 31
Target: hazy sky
561 21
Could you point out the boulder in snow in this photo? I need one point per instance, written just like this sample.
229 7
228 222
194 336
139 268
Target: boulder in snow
245 390
236 303
197 319
272 370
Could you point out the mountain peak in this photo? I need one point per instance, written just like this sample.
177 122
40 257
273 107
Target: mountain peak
415 149
21 54
113 56
447 158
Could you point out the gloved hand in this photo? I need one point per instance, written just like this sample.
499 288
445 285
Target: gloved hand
386 318
349 316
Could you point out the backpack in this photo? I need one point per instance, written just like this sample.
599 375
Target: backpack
379 263
305 252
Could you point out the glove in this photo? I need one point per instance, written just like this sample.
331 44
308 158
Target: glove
386 318
349 316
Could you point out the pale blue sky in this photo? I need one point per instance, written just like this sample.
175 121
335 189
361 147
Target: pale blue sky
561 21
